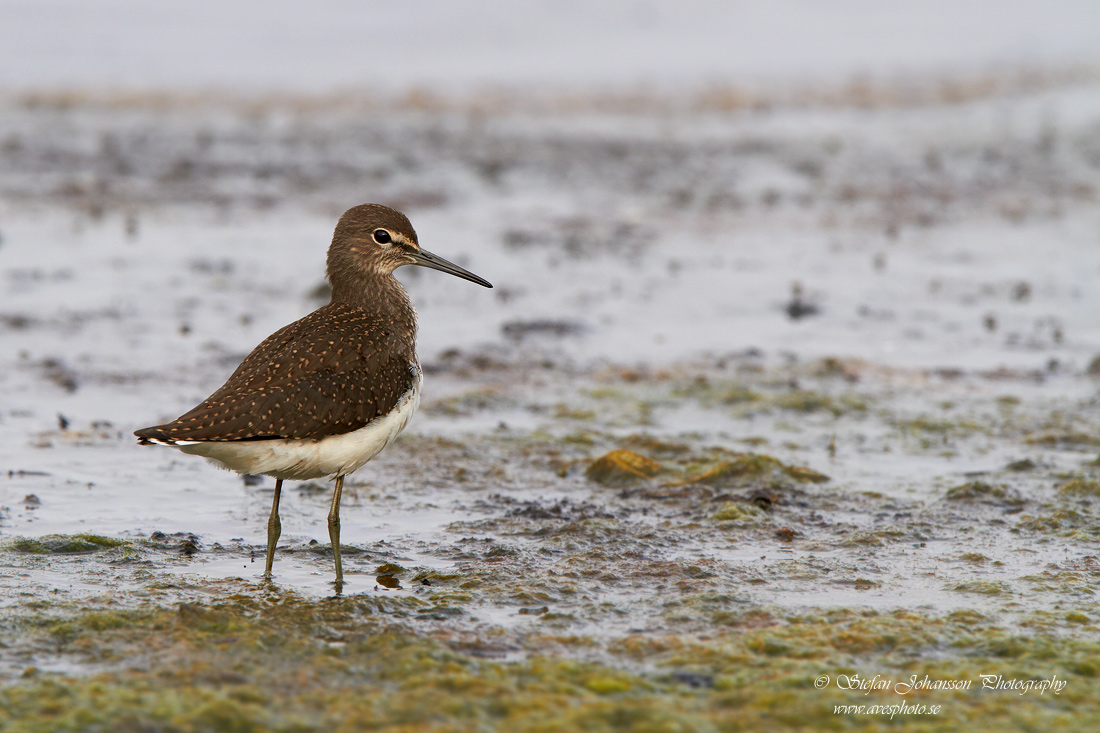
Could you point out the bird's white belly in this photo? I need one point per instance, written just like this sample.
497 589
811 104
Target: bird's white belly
336 455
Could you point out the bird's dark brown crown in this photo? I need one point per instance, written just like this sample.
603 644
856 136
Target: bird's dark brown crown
369 243
360 222
370 239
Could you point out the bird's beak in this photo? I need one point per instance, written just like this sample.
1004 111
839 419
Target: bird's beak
425 258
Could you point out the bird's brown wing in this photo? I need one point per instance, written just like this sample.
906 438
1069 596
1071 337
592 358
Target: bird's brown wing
329 373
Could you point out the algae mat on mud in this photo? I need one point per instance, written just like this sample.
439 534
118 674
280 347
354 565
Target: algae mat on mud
605 582
609 514
268 661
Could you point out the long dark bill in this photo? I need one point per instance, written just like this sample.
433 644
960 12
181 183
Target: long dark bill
425 258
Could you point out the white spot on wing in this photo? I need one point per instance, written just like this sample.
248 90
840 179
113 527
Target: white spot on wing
173 443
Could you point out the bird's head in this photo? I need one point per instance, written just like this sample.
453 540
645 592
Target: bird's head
372 239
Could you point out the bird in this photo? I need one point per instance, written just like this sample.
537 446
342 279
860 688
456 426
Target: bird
322 396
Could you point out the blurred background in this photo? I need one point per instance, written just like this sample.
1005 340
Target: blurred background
643 181
790 366
279 47
648 185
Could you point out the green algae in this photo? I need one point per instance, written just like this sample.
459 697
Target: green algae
1064 582
737 512
746 400
65 544
983 587
872 537
747 468
471 402
1059 521
548 583
1022 465
564 412
1080 487
1067 438
271 661
585 439
809 401
981 491
651 445
621 468
932 432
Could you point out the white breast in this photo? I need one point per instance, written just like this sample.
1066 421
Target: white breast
336 455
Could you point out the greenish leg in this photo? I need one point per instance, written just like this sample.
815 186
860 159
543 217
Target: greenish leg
274 528
334 528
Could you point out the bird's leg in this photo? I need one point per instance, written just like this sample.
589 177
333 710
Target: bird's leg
334 528
274 528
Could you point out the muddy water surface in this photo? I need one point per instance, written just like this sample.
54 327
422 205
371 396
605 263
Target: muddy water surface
758 396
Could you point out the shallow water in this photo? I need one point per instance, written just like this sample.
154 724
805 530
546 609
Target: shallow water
645 271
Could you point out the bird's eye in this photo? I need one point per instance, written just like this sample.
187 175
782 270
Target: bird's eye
382 236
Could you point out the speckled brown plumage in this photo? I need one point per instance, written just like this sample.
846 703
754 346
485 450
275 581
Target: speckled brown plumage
324 395
329 373
333 371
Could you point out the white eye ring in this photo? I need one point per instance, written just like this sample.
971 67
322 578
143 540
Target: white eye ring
382 236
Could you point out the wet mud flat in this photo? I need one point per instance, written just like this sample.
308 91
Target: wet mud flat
653 485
